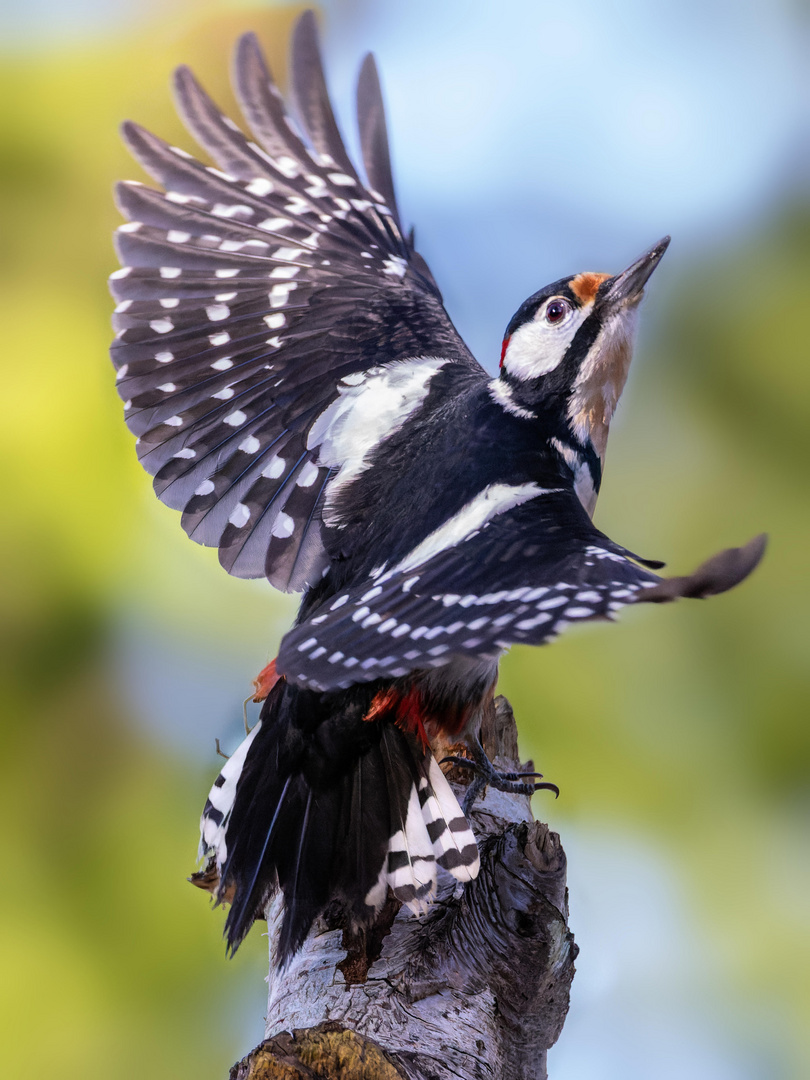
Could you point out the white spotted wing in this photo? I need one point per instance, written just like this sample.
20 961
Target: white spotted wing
517 574
251 293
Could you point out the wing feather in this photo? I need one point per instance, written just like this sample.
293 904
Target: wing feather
374 135
311 98
263 105
250 289
529 574
216 133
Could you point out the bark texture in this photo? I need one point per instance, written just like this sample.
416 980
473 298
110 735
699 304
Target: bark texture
477 988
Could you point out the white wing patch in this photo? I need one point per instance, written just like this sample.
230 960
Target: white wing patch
371 406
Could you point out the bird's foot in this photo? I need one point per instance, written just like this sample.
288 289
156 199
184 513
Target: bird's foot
486 775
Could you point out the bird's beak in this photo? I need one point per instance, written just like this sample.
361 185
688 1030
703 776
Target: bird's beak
627 288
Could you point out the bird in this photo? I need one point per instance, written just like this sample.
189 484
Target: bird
298 391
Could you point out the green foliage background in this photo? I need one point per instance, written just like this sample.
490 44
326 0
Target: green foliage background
687 725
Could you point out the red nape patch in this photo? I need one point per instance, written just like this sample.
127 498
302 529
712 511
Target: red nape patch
404 708
504 347
265 681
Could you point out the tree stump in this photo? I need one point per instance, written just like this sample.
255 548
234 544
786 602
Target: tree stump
476 988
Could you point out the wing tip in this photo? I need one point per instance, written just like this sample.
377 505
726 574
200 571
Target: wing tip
130 132
723 571
183 83
369 74
307 22
247 50
305 40
182 71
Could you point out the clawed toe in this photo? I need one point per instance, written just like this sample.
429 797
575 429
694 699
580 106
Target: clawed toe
456 759
486 775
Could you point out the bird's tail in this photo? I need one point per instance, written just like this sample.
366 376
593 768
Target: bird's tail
325 804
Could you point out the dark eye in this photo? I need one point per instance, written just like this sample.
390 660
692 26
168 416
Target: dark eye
556 310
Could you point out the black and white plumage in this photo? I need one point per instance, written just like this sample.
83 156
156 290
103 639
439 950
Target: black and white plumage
340 807
249 293
300 394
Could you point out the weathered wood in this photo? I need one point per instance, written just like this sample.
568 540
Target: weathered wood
476 988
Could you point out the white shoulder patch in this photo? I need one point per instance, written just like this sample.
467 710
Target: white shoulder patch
493 500
371 406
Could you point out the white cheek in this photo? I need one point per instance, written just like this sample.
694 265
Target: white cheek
537 348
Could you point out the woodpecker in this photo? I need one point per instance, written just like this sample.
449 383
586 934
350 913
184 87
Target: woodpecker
299 392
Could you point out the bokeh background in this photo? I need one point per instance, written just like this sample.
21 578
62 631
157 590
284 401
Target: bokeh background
531 139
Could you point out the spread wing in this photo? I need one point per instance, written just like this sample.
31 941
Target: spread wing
521 578
250 294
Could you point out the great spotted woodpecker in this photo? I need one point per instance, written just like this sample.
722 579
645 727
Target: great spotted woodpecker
300 394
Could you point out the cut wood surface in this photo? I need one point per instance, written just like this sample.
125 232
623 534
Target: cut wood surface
476 988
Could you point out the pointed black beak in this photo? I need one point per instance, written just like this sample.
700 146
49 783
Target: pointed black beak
628 287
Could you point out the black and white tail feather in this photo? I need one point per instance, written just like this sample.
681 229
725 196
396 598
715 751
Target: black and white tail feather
356 810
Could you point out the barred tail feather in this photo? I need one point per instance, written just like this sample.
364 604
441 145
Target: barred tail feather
218 805
453 842
411 862
324 805
433 831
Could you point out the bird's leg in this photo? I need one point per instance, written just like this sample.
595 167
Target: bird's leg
487 775
248 728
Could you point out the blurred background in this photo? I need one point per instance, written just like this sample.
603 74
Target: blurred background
530 140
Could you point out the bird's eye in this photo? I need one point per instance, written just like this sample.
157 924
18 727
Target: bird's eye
556 310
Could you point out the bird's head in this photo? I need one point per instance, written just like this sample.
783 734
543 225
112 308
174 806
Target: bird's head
567 349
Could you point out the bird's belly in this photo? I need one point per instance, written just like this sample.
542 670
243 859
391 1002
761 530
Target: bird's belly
455 694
